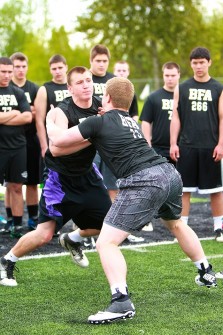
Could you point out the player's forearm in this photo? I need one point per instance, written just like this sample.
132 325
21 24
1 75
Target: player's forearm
20 120
58 151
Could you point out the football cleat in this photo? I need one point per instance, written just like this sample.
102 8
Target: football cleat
16 231
206 277
74 249
121 308
218 235
7 268
135 239
219 275
32 223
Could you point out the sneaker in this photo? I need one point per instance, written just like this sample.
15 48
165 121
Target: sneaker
32 223
3 220
6 272
89 243
7 228
206 277
74 249
218 235
16 232
219 275
135 239
121 308
148 227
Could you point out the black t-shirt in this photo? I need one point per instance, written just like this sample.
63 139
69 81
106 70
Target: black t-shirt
99 83
120 143
198 112
133 110
12 137
158 110
79 163
30 89
55 93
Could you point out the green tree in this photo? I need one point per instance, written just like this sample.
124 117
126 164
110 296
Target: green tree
145 32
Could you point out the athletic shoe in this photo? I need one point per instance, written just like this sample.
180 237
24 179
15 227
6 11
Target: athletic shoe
74 249
121 308
16 232
7 228
135 239
218 235
32 223
3 220
206 277
219 275
89 243
7 268
148 227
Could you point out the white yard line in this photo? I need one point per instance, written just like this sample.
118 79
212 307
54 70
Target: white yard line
137 248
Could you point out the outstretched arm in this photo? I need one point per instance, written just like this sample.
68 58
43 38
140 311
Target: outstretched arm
62 137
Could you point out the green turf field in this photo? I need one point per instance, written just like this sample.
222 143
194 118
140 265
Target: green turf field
55 297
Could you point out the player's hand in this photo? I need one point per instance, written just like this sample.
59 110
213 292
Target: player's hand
101 110
174 152
218 153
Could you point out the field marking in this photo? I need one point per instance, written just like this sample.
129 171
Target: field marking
136 248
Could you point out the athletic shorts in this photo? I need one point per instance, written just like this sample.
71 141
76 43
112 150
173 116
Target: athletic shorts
33 160
13 167
153 192
108 177
83 199
199 171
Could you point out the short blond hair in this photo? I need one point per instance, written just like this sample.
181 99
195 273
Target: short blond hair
121 91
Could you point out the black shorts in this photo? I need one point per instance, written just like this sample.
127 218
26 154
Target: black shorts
33 160
199 171
13 167
153 192
84 199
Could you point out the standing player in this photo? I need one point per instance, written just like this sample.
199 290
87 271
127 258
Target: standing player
20 62
15 113
196 133
72 187
157 112
51 93
148 185
121 69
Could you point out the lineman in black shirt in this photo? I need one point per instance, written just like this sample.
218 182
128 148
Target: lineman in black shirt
73 188
148 185
197 124
15 113
20 62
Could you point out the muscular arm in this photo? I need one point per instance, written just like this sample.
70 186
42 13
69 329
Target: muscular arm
6 117
147 131
60 121
218 150
20 119
175 127
40 106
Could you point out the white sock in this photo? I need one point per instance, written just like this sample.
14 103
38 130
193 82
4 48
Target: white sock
75 236
204 261
218 222
11 257
122 287
184 219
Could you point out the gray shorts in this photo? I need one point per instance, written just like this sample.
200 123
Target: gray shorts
153 192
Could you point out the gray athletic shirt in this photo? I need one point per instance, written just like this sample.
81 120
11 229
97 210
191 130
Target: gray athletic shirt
120 143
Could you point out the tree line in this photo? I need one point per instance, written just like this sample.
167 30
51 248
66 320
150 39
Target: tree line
146 33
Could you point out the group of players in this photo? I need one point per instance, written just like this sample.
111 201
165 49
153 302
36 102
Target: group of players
73 183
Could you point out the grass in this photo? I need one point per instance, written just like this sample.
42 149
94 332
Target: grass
55 297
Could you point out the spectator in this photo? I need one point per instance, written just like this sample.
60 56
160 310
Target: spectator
15 113
197 125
